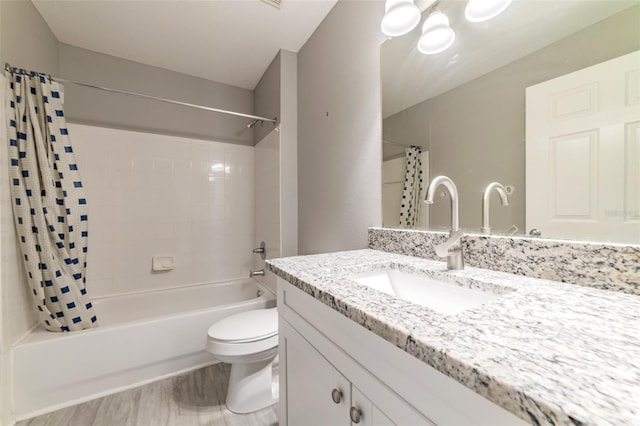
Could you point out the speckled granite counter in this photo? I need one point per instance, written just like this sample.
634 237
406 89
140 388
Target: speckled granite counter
549 352
614 267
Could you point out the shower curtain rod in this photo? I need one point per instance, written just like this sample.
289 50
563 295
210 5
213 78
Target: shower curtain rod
402 145
257 118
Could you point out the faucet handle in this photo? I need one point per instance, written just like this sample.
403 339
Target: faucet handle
261 250
442 250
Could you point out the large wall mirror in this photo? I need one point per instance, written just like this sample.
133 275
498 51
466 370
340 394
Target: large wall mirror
541 69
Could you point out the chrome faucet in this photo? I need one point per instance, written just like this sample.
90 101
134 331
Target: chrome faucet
450 248
259 273
504 198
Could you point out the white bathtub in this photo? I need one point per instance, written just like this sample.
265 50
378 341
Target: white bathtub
141 338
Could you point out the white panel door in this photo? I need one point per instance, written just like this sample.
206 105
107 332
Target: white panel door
583 153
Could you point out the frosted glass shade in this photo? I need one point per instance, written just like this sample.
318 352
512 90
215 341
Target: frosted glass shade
400 17
437 35
483 10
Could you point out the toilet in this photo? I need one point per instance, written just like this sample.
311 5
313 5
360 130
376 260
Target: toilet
249 342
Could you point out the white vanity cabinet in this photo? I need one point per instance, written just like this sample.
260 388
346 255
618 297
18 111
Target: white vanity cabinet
317 393
335 372
311 383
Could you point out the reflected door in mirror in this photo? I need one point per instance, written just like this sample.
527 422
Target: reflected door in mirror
583 153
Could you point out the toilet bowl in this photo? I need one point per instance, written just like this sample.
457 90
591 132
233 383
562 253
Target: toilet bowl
249 342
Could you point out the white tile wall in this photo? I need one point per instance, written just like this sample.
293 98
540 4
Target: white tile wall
164 195
267 199
16 315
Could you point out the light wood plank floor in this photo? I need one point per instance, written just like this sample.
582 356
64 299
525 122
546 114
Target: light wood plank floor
192 399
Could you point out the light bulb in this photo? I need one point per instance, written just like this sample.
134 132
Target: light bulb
483 10
437 35
401 16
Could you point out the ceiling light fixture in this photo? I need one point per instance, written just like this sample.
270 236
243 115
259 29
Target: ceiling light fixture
400 17
437 35
483 10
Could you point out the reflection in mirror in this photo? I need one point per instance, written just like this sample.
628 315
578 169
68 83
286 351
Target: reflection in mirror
466 109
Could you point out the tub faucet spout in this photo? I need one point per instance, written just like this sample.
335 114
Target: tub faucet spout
451 248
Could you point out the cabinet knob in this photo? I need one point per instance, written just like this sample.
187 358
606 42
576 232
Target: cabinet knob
336 395
355 414
535 233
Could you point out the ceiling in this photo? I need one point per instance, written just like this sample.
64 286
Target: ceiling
409 77
228 41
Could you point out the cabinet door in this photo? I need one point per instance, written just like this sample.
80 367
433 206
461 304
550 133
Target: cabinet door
310 381
369 414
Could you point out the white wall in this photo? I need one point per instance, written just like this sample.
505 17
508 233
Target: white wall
25 41
164 195
16 316
288 153
16 310
339 129
267 217
392 188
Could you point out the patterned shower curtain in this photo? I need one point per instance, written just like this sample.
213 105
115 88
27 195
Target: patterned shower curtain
410 203
49 203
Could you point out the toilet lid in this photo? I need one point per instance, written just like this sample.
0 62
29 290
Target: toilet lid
246 326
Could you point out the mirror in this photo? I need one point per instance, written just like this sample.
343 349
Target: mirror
465 107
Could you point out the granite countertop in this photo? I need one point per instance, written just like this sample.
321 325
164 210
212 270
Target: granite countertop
549 352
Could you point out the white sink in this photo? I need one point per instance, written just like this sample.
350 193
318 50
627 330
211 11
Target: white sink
442 297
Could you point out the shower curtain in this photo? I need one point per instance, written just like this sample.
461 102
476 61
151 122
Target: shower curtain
49 203
410 203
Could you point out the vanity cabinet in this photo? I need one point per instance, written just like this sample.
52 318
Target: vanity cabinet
317 393
336 372
311 383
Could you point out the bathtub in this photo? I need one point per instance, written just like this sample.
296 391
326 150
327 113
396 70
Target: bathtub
142 337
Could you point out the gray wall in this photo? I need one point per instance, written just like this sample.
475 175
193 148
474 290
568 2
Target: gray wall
91 106
476 132
267 97
408 127
26 42
339 129
276 95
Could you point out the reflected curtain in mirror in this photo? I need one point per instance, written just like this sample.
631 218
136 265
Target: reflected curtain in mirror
410 203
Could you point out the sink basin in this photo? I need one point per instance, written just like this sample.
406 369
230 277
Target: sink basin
442 297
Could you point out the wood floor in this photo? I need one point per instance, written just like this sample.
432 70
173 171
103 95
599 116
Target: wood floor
194 399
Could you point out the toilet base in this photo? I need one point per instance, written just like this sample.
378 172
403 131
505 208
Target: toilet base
250 387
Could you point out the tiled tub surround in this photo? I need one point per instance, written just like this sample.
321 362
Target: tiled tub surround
153 195
613 267
549 352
